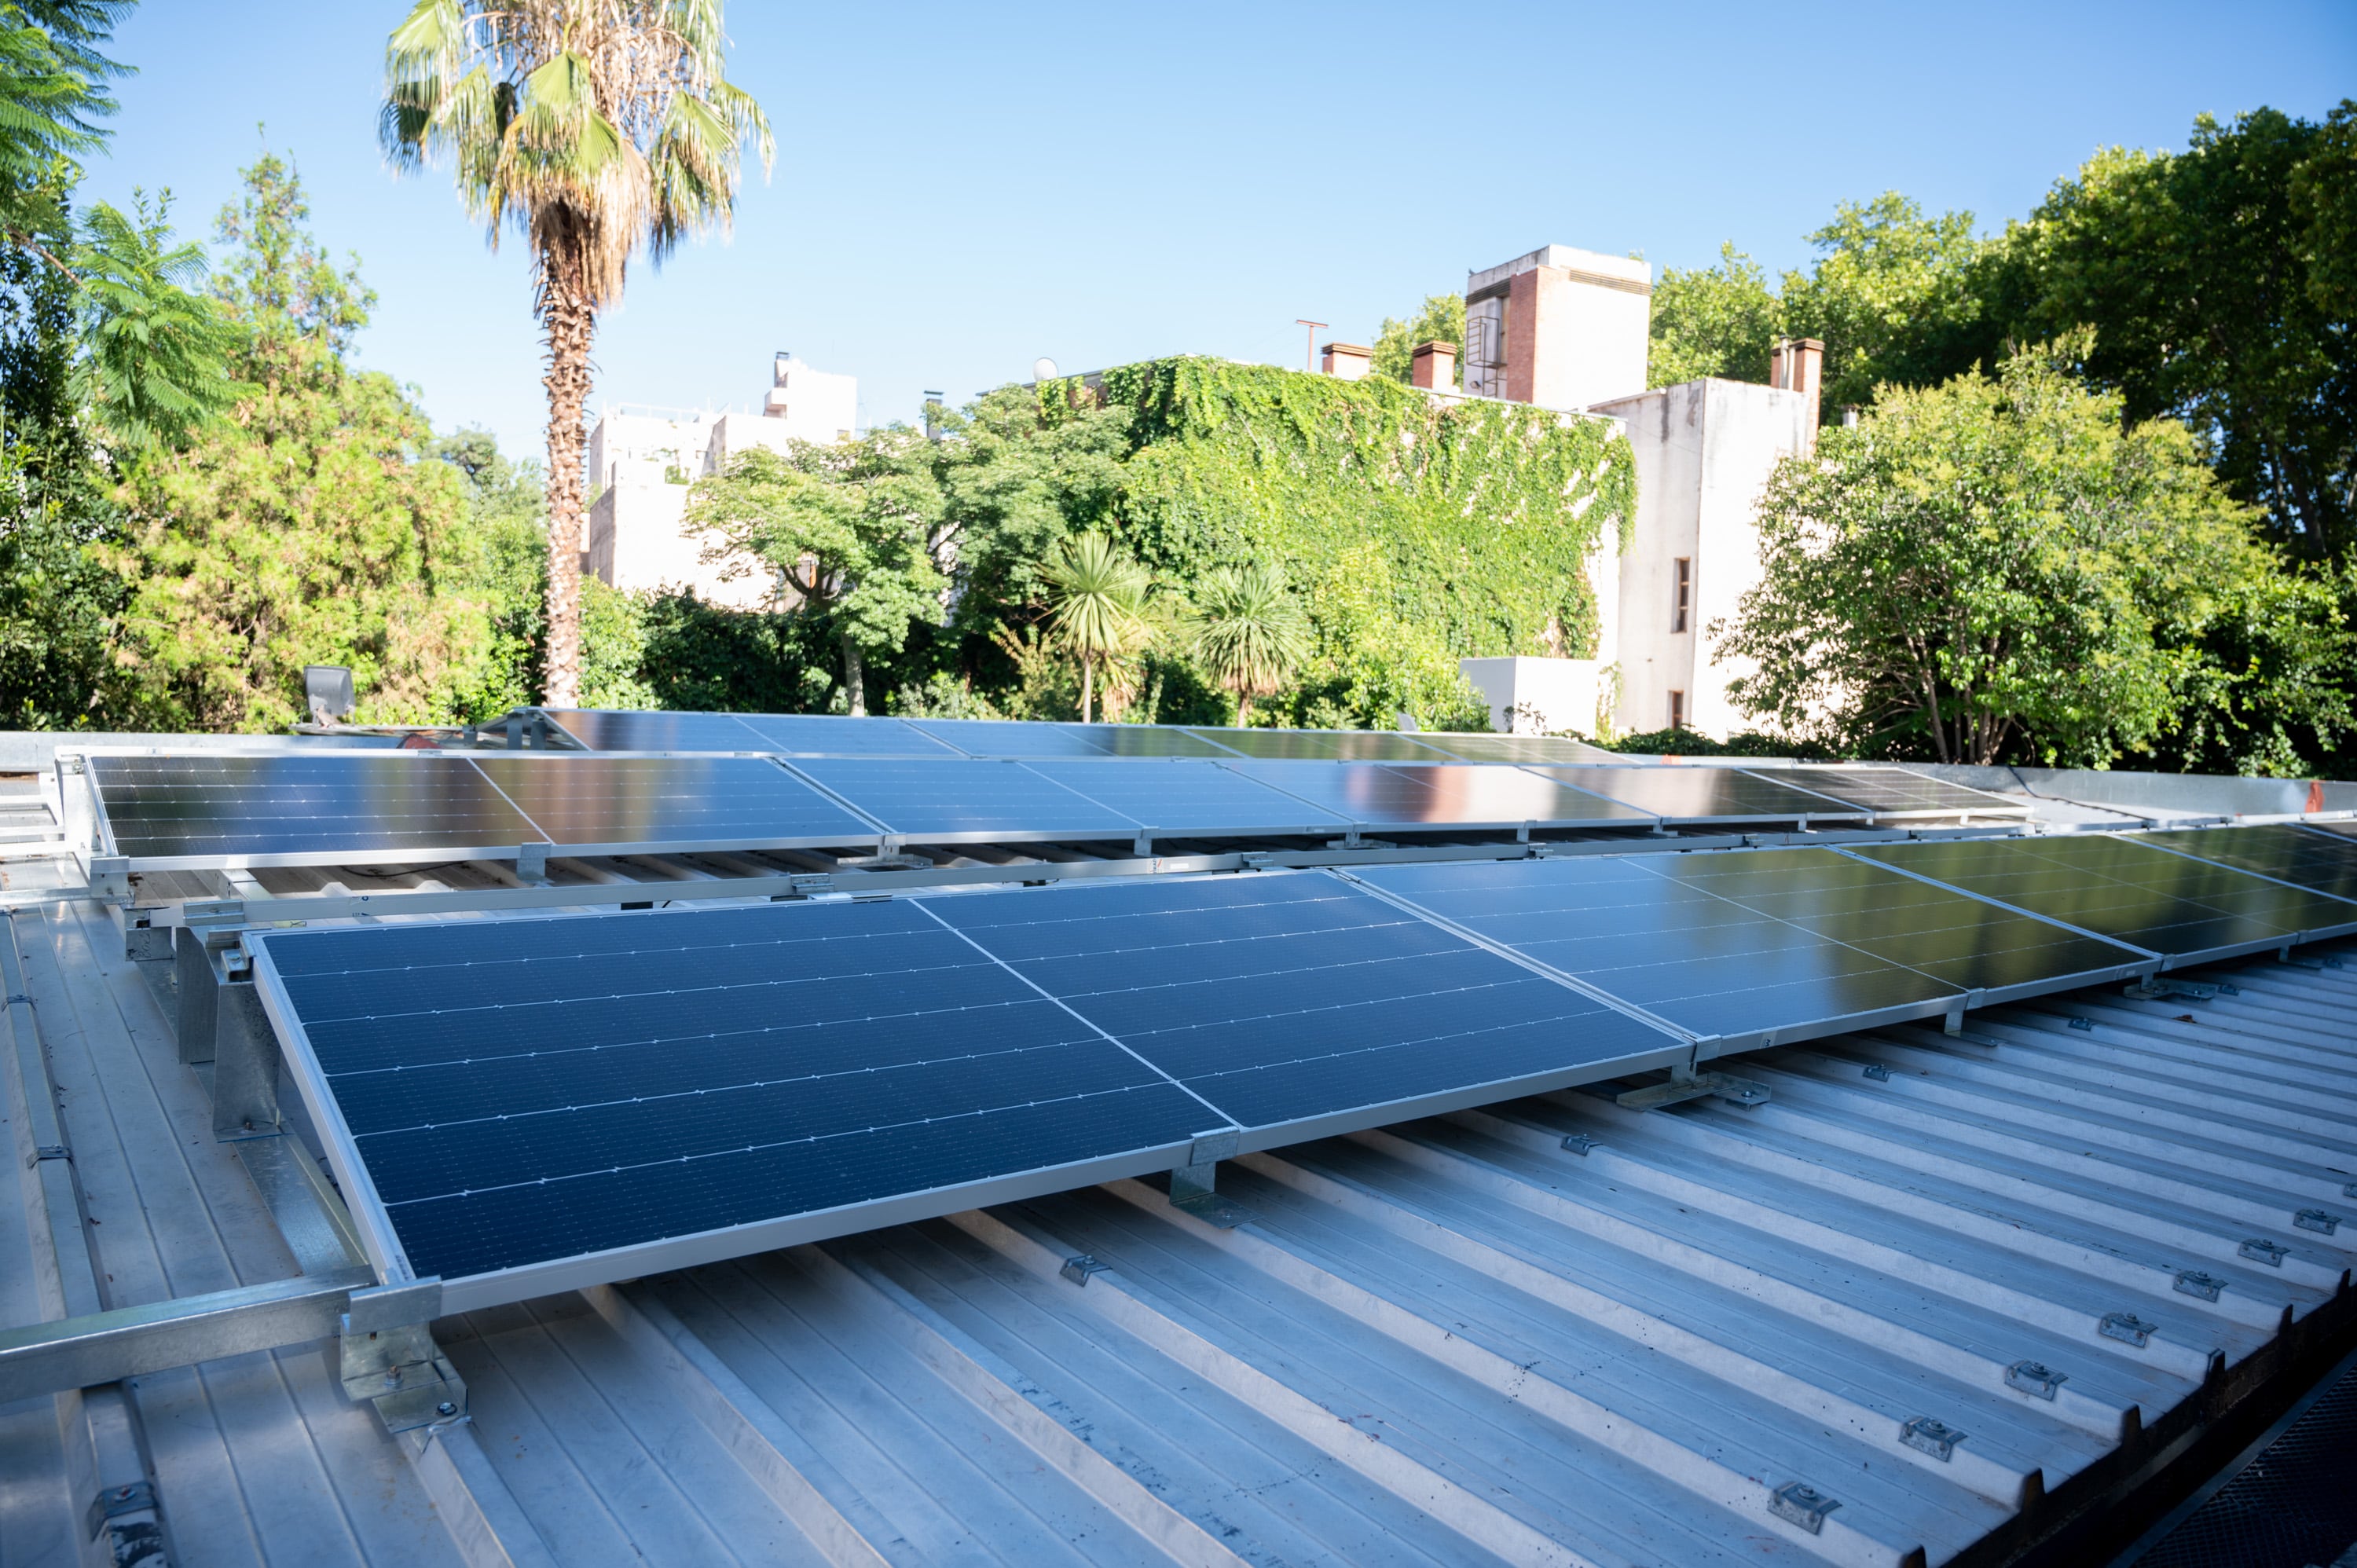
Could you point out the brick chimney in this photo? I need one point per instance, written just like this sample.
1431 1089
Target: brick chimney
1347 362
1435 366
1797 364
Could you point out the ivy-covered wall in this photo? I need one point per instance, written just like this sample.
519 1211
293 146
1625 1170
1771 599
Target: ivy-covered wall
1418 532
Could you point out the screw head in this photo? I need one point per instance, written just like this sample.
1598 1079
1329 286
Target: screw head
446 1408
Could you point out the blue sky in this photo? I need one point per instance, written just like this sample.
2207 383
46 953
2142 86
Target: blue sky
961 188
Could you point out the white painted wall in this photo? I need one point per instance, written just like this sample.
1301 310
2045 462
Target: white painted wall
1704 450
1536 696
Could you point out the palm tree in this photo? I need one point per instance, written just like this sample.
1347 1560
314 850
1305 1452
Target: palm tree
598 129
1096 603
1251 632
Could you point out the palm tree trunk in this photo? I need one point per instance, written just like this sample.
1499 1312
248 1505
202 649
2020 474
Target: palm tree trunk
570 322
1088 687
1243 711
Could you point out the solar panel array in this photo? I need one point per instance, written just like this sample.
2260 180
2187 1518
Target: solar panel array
523 1105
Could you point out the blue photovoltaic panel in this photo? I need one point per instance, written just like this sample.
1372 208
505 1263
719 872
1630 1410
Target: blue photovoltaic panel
623 803
1449 795
1785 940
519 1091
827 734
2321 862
965 799
1147 740
1896 792
1005 737
2131 892
1298 1001
605 729
1185 795
1514 748
253 809
1702 794
1324 745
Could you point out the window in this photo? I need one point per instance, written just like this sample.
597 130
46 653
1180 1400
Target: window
1678 710
1682 594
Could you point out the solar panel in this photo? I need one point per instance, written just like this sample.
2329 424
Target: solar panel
1324 745
1147 740
622 804
1680 794
2317 861
522 1093
1784 944
1516 748
627 729
355 807
1408 796
1298 1004
1004 737
2127 891
965 801
829 734
1896 792
1190 796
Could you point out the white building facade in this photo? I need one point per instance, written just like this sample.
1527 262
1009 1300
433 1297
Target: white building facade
642 460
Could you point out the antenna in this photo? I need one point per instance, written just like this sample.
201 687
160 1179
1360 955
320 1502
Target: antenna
1309 354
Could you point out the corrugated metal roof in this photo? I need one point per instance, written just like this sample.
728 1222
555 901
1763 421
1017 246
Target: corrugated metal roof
1451 1341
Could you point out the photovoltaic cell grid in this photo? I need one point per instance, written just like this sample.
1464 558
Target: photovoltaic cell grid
359 807
522 1091
1778 941
1896 792
1703 794
1408 796
966 800
2128 891
2321 862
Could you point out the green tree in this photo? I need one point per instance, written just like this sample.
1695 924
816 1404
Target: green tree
1442 320
1998 569
1251 633
844 529
303 529
1713 321
1096 607
1895 297
598 133
2217 282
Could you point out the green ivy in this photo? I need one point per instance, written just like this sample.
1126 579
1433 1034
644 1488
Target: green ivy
1420 531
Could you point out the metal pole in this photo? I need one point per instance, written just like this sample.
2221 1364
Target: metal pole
1310 351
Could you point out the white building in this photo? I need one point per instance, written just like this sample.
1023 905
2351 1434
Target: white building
641 461
1570 330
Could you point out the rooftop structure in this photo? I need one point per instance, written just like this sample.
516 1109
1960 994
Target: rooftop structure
1885 1233
641 461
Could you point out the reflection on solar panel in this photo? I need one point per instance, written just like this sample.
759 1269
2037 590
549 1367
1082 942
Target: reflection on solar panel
1405 796
1324 745
614 804
170 812
2288 854
828 735
1515 747
1188 796
2128 891
1787 943
996 738
1896 792
604 729
1147 740
967 801
1703 794
1298 1004
519 1091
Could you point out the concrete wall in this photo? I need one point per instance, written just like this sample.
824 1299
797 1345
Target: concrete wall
1536 696
1575 326
639 540
1704 450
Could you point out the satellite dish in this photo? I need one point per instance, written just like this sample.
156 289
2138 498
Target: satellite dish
1043 370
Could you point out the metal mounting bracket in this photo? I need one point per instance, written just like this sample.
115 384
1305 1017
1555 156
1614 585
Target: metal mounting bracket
2153 987
385 1354
1687 1084
1192 1184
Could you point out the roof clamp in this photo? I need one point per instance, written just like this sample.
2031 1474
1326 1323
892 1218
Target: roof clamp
2127 1328
1876 1071
805 885
1192 1184
2259 1250
2152 987
1580 1144
2349 1189
2088 1024
1080 1266
2035 1379
1796 1502
2199 1285
1255 860
385 1354
531 863
121 1502
1685 1084
1926 1436
2323 1222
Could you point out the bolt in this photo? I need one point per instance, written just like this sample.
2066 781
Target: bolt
446 1408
